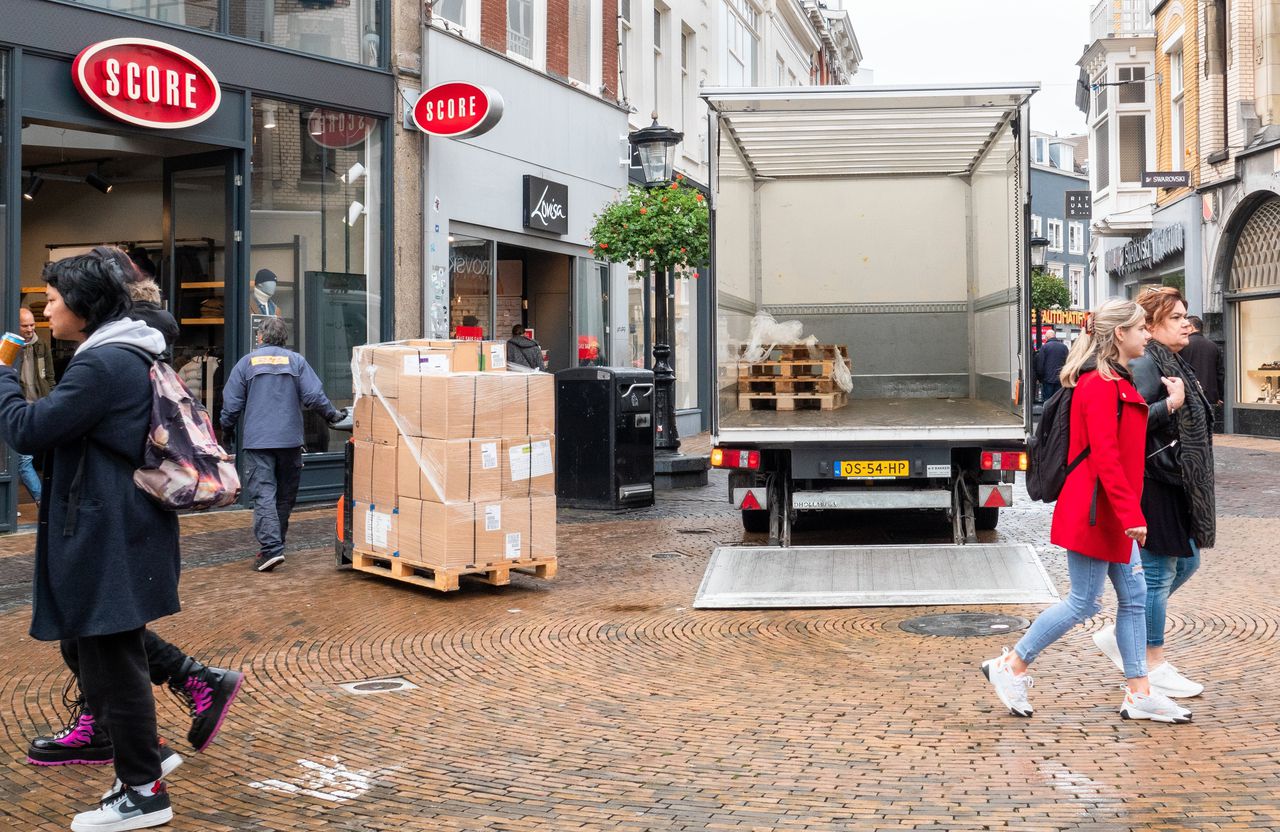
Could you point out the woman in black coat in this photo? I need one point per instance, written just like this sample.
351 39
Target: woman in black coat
107 558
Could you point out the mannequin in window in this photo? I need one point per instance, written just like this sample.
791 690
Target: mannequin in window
264 289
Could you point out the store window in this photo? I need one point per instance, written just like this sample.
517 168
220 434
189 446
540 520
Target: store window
471 268
315 226
4 227
197 14
1255 285
685 348
639 317
591 310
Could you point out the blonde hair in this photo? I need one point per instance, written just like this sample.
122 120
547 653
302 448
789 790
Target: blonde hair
1098 340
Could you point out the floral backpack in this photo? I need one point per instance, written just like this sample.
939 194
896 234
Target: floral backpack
183 466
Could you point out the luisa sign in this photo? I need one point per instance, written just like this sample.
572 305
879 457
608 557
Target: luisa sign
457 110
546 205
147 83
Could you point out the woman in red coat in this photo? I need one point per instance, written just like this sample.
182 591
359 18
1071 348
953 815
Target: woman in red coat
1098 518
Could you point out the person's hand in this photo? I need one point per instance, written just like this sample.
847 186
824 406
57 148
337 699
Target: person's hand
1177 392
1138 533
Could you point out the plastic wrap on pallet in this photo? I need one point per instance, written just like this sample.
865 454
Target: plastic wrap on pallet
528 466
465 535
462 470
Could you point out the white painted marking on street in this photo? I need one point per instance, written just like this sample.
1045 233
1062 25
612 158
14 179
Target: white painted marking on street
332 783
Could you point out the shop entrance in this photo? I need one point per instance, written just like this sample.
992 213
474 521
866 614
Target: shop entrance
168 202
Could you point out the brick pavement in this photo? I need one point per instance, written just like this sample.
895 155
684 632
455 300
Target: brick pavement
601 701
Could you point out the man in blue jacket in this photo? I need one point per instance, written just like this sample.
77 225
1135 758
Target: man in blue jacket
1048 364
269 387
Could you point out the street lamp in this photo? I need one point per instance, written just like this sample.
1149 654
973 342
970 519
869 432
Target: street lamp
656 146
1039 245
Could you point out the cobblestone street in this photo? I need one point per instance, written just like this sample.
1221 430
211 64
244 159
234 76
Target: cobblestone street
602 701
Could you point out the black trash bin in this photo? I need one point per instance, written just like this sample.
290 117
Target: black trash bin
604 437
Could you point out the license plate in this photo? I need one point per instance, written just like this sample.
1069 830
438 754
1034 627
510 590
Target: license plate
872 468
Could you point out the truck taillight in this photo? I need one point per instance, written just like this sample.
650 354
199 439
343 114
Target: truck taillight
729 458
1004 461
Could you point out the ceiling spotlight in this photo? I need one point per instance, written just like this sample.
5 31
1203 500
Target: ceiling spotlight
354 211
268 116
98 182
33 188
355 172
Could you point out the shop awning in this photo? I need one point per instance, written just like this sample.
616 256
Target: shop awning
863 131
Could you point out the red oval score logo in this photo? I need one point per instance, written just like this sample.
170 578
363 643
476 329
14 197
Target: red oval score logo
146 82
335 130
457 110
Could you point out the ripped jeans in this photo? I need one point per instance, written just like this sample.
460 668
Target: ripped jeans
1088 579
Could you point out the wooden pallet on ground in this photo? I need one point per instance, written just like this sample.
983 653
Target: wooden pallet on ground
792 401
782 384
448 579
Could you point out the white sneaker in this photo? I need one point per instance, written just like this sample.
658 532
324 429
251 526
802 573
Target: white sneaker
127 809
1155 706
1106 641
1010 687
1166 679
169 760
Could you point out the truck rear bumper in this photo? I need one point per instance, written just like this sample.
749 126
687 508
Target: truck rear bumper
874 498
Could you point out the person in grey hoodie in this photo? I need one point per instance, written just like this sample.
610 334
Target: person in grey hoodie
267 389
524 351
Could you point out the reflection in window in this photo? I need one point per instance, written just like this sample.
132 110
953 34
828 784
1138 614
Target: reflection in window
347 30
454 11
315 223
520 28
685 349
591 308
198 14
1260 352
470 273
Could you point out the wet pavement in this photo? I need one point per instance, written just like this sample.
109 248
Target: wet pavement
601 701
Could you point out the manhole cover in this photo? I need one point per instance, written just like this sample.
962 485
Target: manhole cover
667 555
378 686
964 624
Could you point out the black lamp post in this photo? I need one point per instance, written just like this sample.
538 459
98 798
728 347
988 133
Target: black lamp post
656 145
1038 245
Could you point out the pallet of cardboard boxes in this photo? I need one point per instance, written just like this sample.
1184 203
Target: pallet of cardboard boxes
454 464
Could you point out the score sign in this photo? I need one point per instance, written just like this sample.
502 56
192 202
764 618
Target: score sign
457 110
336 130
146 82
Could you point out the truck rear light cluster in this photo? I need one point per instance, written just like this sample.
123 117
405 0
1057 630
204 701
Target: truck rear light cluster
1004 461
729 458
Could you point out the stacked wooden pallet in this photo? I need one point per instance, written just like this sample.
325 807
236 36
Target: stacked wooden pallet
793 377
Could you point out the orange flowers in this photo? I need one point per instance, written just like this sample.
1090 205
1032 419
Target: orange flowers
698 197
644 210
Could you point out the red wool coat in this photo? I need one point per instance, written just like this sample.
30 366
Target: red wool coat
1113 467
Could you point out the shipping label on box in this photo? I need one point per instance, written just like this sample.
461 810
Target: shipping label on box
372 422
376 529
373 473
528 466
493 356
464 356
425 363
502 532
444 471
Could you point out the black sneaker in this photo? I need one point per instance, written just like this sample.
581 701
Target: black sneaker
80 742
127 809
265 563
208 693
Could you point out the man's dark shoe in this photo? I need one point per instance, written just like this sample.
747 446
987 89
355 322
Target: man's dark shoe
265 563
81 742
127 809
208 693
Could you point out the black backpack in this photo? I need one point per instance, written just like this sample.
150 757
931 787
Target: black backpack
1049 447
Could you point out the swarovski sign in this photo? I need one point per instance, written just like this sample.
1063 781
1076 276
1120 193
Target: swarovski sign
546 205
1154 248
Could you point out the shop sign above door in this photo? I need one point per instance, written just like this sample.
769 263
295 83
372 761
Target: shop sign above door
147 83
336 131
546 205
457 110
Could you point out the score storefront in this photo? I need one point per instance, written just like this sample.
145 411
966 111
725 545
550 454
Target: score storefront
211 160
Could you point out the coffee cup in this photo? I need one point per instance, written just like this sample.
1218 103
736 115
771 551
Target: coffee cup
10 348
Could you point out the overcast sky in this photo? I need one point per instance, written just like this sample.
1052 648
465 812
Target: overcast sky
954 41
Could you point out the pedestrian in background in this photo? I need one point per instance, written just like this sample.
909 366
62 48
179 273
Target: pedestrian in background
523 351
1098 517
1205 358
35 371
107 558
1177 491
1048 365
268 390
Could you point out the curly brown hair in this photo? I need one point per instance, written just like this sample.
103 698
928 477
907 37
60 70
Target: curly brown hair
1159 302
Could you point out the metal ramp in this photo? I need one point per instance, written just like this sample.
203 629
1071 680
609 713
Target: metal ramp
873 576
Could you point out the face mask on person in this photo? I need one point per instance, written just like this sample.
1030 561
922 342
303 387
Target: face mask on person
267 287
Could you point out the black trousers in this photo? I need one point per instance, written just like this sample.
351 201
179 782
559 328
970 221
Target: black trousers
271 478
117 688
163 659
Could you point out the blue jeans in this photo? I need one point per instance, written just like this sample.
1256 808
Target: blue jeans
27 471
1048 388
1088 579
1165 574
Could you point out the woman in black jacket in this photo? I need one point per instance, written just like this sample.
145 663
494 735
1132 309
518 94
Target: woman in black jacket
107 558
1177 491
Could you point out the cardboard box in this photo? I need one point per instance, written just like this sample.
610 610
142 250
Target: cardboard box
373 473
528 466
371 422
493 356
440 471
463 535
375 529
452 406
528 404
462 356
542 535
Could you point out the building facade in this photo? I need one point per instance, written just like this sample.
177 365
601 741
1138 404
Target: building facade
285 170
1054 173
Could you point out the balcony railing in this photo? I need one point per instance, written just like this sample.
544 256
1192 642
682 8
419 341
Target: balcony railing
1120 18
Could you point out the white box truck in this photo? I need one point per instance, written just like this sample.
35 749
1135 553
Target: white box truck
894 222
